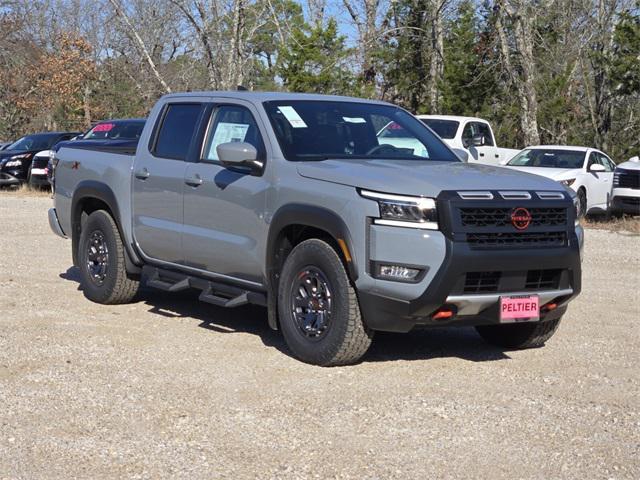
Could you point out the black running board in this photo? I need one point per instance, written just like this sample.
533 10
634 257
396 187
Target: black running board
215 293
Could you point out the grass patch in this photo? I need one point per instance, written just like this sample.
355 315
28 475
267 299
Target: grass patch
24 190
624 223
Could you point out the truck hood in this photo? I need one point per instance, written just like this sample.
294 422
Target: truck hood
429 178
630 165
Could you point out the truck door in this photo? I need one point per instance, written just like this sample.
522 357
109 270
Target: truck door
158 181
224 209
487 151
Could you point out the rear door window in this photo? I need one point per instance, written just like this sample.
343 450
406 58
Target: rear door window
174 137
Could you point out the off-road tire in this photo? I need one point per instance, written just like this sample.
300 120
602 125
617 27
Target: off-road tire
519 335
346 338
117 287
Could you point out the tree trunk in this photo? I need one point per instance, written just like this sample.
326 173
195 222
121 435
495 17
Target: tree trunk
522 75
436 65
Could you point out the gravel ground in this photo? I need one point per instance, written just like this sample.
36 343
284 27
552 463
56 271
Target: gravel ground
169 387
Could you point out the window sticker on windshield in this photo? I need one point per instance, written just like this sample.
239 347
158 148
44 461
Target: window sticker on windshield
354 119
292 116
226 133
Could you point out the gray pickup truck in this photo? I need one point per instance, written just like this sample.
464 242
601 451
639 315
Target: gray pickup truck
342 216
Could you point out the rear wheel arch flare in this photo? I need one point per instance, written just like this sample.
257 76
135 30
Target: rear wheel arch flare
88 197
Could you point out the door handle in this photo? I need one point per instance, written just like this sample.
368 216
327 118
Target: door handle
142 174
482 154
194 181
497 156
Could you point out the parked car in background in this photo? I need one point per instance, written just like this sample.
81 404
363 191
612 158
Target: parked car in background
472 134
118 135
16 160
587 171
625 194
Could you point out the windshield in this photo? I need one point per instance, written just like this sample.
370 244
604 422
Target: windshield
115 131
321 130
444 128
548 158
34 142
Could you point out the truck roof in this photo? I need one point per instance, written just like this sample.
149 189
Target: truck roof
258 96
560 147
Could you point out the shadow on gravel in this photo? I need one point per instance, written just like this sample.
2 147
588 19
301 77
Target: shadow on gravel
422 344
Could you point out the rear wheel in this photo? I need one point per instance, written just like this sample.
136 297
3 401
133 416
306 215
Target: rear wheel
519 335
102 262
318 308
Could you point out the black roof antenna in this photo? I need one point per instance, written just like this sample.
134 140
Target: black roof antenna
242 88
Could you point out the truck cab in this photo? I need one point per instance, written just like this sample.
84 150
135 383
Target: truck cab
472 134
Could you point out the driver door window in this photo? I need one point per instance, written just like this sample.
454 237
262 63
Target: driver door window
230 124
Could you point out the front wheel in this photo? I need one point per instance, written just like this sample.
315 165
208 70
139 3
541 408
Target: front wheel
101 258
519 335
582 203
318 308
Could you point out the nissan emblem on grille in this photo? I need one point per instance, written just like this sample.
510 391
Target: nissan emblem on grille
520 218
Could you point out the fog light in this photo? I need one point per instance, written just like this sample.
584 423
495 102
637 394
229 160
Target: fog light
398 273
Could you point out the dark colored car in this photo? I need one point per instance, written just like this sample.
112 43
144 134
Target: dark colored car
120 135
16 159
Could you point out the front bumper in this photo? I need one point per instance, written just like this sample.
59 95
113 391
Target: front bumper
395 315
6 180
54 223
626 200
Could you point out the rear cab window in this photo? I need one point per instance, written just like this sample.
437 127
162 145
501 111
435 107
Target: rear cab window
176 131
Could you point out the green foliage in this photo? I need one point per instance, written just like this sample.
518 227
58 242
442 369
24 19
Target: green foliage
625 68
314 60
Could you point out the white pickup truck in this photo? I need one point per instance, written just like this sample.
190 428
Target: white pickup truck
472 134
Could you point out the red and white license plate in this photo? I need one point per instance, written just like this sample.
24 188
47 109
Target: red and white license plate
519 308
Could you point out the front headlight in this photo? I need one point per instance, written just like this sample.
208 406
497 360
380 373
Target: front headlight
16 160
404 211
568 182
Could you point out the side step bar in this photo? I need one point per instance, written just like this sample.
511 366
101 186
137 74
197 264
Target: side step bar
216 293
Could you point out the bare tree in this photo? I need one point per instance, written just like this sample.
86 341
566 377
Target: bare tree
143 48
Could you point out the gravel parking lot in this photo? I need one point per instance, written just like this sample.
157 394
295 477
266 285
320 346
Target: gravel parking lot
169 387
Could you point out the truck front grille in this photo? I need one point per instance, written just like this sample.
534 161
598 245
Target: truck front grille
474 283
542 279
481 282
517 239
501 217
626 179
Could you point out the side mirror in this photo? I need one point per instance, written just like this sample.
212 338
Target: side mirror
239 155
461 154
596 168
478 141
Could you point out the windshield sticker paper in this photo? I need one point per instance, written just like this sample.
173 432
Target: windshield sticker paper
292 116
227 133
354 119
